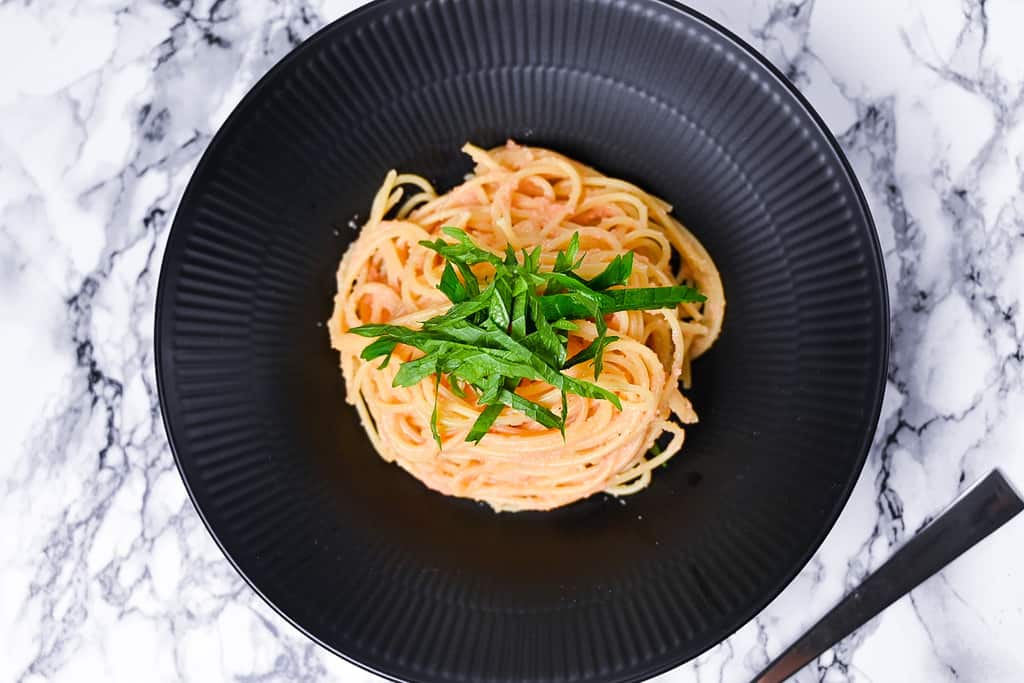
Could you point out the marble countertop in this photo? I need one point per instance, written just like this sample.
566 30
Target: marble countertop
106 572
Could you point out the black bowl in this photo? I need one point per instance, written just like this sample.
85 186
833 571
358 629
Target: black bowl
418 586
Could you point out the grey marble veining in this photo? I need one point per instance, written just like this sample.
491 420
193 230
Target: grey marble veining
106 572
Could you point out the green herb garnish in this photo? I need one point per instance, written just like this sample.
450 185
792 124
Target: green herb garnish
515 326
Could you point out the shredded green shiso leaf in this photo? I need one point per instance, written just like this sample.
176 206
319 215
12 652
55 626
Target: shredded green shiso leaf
515 326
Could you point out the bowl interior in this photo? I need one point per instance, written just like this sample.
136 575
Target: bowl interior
424 587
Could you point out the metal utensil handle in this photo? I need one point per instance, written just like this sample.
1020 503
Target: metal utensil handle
976 514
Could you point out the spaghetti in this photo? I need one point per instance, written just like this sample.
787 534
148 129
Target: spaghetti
526 197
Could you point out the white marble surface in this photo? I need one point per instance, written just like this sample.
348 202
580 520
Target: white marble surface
106 572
